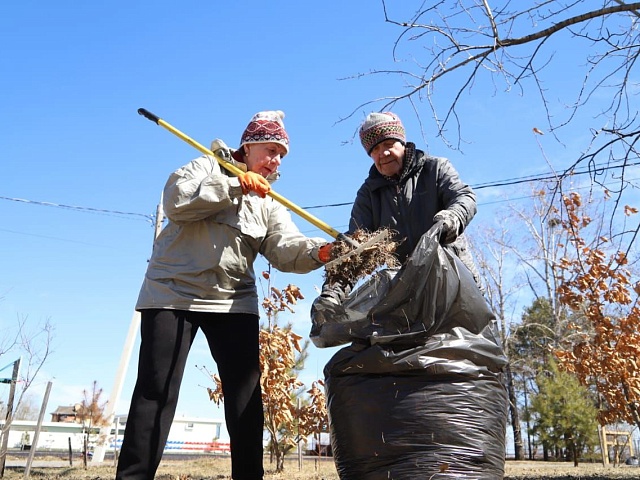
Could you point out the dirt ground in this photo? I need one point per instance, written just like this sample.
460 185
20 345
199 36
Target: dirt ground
564 471
312 469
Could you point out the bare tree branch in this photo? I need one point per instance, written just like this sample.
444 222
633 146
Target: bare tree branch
504 45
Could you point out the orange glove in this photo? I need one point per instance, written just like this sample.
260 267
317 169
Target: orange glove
254 182
324 252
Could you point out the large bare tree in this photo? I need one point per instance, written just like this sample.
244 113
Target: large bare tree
522 251
493 261
484 48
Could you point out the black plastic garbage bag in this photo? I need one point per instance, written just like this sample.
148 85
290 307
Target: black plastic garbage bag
433 292
419 391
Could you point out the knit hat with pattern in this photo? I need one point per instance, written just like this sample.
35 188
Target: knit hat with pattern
266 127
379 127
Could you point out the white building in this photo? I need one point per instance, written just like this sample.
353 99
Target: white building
187 434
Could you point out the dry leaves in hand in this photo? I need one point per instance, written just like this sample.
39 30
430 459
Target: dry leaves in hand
352 268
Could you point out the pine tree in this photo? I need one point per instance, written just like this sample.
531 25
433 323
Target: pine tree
565 414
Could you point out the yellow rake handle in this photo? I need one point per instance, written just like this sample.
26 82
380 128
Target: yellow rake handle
237 171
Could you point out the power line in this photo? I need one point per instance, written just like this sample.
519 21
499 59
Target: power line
49 237
519 180
497 183
149 218
572 172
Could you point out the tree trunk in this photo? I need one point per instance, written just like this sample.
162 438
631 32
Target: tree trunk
633 406
84 451
545 453
518 447
279 459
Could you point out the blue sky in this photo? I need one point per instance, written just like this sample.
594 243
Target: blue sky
74 75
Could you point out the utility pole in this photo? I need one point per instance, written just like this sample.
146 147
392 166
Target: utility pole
9 417
36 435
125 357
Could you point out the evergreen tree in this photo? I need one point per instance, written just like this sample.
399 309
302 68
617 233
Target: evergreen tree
564 414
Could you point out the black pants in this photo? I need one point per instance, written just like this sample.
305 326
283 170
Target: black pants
167 336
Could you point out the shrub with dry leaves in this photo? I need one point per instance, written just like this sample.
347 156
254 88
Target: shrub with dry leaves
598 285
286 420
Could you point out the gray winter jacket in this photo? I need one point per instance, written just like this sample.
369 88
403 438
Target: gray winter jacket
408 204
203 259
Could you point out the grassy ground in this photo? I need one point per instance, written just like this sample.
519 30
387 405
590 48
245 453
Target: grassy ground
312 469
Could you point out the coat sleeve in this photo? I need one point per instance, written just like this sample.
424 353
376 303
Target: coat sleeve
362 212
455 195
199 190
285 247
